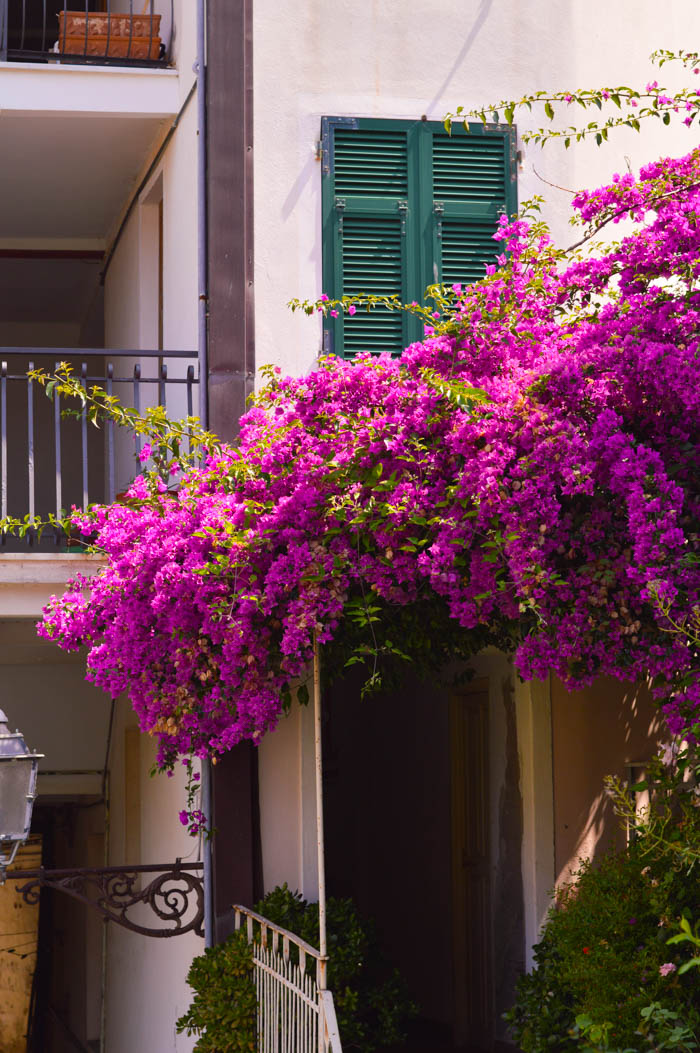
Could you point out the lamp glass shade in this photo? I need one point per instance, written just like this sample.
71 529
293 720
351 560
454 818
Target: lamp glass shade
17 783
18 771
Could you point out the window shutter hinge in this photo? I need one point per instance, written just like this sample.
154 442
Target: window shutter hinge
328 341
403 212
340 208
439 210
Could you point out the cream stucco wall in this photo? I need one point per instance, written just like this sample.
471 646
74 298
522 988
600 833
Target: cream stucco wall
287 795
597 731
146 985
391 59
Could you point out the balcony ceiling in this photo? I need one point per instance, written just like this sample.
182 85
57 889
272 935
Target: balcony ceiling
66 177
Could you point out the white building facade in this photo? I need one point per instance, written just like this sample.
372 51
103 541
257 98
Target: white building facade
106 218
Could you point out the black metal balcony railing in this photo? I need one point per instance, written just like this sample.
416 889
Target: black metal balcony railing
51 461
99 32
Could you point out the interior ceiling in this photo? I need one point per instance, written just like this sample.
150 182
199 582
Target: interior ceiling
41 290
68 175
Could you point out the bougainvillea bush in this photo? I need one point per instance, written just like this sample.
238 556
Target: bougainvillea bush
526 475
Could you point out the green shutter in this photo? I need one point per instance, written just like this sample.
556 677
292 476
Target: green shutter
466 248
366 231
469 168
471 188
405 205
369 164
372 263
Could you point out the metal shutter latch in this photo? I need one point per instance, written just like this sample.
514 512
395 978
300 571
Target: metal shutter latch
403 212
439 210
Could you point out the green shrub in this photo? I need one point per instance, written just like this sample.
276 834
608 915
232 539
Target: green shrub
224 1007
371 1001
600 957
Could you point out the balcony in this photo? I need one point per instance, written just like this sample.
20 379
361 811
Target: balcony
94 32
50 461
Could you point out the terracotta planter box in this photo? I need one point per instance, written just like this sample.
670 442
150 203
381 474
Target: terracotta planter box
109 36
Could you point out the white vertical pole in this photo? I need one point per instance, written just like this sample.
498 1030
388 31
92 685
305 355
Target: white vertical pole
206 806
323 944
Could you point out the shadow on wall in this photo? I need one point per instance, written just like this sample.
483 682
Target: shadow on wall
598 731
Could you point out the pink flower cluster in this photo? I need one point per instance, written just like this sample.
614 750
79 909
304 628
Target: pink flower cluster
558 508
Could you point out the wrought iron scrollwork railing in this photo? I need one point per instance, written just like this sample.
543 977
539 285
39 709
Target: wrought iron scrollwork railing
99 32
295 1010
175 894
49 461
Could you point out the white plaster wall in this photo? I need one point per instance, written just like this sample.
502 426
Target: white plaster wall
146 977
146 985
534 721
130 289
287 795
385 58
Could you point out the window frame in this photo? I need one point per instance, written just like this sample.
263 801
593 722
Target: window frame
421 250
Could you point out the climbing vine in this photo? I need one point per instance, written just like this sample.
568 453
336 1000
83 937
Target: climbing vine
526 475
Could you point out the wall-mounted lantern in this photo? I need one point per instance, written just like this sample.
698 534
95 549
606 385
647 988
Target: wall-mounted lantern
174 893
18 770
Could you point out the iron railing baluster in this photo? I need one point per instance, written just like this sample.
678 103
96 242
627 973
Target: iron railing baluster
87 28
83 437
162 380
131 28
3 30
30 449
109 25
3 439
137 400
57 444
111 488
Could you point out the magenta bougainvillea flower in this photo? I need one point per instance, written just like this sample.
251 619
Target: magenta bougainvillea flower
563 504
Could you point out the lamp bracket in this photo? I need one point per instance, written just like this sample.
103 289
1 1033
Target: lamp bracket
175 895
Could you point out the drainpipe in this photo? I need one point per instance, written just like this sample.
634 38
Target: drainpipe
202 283
202 319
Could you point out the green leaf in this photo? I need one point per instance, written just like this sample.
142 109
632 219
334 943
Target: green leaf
303 695
549 110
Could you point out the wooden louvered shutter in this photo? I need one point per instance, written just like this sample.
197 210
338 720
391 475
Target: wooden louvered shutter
368 232
472 184
406 205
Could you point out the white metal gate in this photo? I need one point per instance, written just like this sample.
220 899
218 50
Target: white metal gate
295 1010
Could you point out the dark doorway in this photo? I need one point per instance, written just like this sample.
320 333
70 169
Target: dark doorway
408 838
65 1012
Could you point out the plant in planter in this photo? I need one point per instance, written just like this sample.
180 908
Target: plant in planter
107 35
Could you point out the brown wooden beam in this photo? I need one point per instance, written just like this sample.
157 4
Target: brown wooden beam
231 365
230 211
